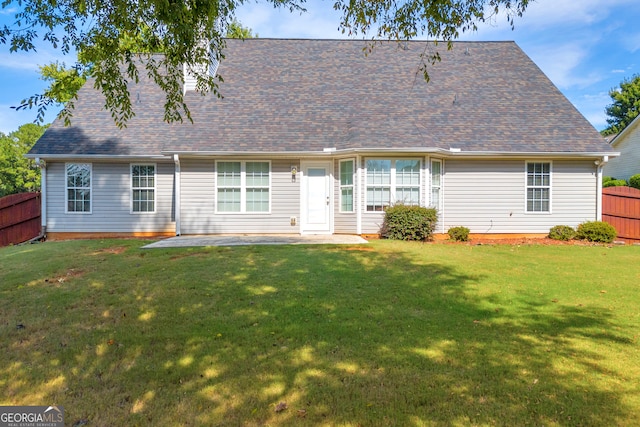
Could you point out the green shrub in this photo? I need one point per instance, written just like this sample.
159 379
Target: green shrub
614 183
596 231
404 222
607 178
562 232
634 181
459 234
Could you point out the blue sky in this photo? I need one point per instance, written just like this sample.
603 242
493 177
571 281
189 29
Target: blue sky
586 48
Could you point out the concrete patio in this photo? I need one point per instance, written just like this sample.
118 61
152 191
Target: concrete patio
243 240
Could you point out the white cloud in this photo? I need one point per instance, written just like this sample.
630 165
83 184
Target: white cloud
319 21
560 63
11 120
592 106
632 42
30 61
9 11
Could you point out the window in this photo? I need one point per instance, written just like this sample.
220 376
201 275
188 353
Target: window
143 188
243 186
390 180
346 186
229 187
408 182
539 187
257 186
436 183
78 187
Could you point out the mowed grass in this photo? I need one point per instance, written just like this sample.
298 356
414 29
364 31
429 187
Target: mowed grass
384 334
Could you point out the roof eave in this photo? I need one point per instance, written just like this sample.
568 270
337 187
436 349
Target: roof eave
96 156
330 152
540 154
452 152
635 122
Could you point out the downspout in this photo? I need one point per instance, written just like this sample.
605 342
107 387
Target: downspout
178 184
600 163
357 196
441 207
43 199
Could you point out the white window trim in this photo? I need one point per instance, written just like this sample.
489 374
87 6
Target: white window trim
526 187
155 190
66 189
393 181
243 187
353 189
431 186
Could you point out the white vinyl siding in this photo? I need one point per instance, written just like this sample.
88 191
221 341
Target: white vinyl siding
110 201
143 188
391 181
487 196
538 194
78 188
243 187
628 144
198 201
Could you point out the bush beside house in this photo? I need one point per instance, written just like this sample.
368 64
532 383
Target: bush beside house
403 222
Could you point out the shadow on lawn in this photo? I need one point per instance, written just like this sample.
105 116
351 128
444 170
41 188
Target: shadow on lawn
343 337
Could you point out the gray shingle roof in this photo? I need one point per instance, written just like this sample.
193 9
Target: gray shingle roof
306 95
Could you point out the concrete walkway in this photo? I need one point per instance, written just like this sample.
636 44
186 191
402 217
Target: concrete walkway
265 239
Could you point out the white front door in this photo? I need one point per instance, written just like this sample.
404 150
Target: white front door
316 197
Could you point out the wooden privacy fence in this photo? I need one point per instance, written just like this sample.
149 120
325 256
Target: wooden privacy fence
19 218
621 208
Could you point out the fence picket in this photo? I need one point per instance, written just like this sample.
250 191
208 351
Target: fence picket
19 218
621 208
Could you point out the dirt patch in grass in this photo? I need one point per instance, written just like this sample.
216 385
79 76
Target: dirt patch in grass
187 255
360 248
70 274
115 250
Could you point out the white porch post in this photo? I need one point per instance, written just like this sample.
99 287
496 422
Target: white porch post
176 160
600 164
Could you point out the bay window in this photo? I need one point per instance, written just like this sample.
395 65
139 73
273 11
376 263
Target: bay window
392 181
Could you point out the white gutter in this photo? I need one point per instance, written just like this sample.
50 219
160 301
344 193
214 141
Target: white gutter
97 157
600 163
451 152
176 160
358 195
43 195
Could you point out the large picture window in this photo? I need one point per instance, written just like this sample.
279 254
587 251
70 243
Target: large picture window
392 181
243 187
346 185
539 187
78 187
143 188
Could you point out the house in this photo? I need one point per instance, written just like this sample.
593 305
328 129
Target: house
315 137
627 143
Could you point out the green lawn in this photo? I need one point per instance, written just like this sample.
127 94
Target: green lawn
390 333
